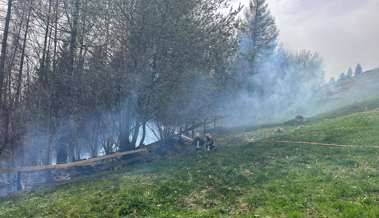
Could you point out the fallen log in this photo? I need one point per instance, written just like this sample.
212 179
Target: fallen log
89 162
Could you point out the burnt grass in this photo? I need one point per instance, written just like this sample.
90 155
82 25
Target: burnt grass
239 179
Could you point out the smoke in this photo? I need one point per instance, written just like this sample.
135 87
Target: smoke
285 85
94 135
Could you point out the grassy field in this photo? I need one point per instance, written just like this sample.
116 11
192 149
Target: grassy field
248 176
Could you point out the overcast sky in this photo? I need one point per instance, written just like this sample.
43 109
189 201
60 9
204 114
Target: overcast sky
344 32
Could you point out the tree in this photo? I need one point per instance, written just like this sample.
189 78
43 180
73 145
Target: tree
43 71
158 55
261 33
257 44
3 54
23 50
4 105
358 70
349 73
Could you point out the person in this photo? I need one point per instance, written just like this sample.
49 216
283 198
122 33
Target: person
209 142
198 142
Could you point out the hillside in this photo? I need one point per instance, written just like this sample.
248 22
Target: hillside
250 175
350 92
358 86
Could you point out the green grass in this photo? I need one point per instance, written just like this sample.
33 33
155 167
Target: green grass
240 179
362 106
357 129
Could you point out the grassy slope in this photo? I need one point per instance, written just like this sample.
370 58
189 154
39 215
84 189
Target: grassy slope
241 179
358 129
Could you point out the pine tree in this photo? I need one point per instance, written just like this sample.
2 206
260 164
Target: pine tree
358 70
261 31
349 73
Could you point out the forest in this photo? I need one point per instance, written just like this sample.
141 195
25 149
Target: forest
81 78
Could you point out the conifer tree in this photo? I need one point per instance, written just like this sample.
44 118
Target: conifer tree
358 70
262 33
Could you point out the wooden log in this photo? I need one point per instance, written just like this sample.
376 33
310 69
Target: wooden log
89 162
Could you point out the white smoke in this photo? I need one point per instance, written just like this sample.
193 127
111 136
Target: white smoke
286 85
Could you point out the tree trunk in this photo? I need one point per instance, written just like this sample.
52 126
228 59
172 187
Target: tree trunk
4 47
20 71
74 36
135 135
3 58
125 144
143 137
43 71
55 36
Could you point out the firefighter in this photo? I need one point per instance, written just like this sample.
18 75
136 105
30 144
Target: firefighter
209 142
198 142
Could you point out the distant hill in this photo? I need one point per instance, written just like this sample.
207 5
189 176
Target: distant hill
350 92
361 86
376 70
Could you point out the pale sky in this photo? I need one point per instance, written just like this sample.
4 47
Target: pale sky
343 32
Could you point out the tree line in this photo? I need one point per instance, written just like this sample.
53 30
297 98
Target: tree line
80 73
348 75
97 75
